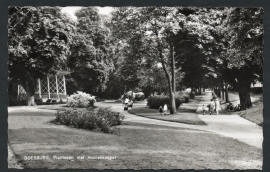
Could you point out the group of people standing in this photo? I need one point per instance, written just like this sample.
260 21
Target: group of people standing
213 106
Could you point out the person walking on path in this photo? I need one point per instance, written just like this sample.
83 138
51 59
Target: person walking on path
214 96
211 106
160 110
165 108
217 106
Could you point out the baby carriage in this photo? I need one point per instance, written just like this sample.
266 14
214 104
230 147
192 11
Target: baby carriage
126 104
211 108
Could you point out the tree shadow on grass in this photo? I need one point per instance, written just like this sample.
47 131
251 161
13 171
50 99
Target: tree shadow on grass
187 116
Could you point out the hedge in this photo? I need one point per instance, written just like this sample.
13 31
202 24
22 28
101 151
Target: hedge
160 100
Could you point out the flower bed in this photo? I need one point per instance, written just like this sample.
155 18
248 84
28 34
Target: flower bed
101 119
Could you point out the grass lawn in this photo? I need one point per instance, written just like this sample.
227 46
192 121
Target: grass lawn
187 116
135 146
53 107
64 106
254 114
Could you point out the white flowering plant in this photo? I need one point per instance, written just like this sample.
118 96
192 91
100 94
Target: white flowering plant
81 99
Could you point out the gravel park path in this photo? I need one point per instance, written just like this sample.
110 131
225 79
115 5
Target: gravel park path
231 125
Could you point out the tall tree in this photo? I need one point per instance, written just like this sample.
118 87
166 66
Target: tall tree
243 29
196 46
38 43
159 26
91 58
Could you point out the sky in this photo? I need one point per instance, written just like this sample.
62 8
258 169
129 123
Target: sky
72 9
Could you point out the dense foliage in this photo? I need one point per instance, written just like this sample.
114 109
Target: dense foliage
38 43
156 49
243 55
91 52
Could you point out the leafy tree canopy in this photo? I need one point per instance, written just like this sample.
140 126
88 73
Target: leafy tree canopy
38 43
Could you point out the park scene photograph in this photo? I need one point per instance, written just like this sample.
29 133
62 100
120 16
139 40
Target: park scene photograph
135 87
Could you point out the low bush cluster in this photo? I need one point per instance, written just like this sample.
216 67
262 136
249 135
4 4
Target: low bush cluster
81 99
183 94
101 119
139 96
160 100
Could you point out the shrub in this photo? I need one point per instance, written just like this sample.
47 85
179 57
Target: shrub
128 95
159 100
191 95
183 94
81 99
186 99
38 100
99 99
139 96
101 119
13 101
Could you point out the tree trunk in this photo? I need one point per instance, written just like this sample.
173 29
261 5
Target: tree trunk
172 67
30 100
222 89
172 91
171 82
172 105
30 97
226 93
244 96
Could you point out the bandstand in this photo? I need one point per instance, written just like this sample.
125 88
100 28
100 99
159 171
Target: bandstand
53 87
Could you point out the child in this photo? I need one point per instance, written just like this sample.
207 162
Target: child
204 109
211 107
160 110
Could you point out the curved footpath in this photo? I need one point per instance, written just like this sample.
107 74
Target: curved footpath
232 126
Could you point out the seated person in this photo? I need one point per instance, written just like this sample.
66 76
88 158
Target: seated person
230 106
